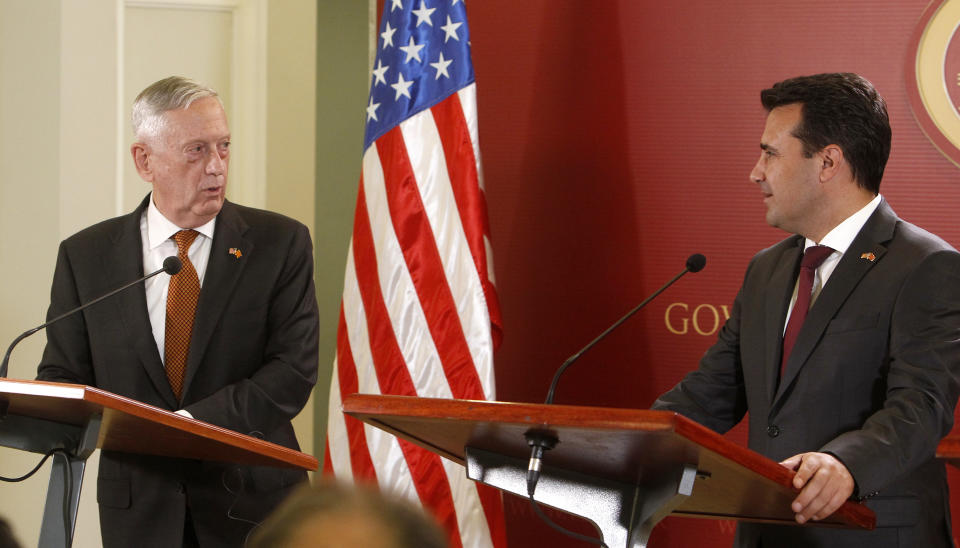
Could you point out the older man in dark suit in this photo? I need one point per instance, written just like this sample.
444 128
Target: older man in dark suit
844 340
230 340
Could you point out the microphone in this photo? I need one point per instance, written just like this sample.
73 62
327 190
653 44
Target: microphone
171 265
540 440
695 263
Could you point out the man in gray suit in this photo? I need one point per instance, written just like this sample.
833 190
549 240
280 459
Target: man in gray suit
844 340
230 340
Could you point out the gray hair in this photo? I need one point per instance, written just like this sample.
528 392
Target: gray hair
171 93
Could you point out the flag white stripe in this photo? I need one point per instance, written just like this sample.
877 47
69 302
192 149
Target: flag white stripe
354 313
393 475
470 517
339 442
430 171
410 325
468 103
419 313
399 294
388 461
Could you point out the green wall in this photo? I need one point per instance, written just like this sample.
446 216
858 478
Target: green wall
343 81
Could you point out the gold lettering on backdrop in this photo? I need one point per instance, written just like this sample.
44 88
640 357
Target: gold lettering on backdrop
696 319
670 327
706 318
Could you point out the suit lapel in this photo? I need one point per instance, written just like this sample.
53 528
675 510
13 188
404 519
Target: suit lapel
778 293
850 270
223 271
126 260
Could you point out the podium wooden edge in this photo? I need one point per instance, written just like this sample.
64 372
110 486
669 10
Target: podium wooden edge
110 401
851 511
854 513
948 450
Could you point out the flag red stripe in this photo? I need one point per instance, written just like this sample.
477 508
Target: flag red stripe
419 247
438 300
428 474
434 489
360 461
388 362
462 168
492 503
472 205
471 202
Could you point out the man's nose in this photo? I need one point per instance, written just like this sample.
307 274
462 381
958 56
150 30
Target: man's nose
756 174
215 163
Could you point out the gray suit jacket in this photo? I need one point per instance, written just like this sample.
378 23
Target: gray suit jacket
873 378
252 365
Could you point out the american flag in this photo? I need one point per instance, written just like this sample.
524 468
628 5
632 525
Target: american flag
419 315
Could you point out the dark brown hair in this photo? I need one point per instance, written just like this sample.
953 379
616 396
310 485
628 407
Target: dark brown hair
842 109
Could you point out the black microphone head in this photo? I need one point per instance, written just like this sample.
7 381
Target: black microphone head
172 264
696 262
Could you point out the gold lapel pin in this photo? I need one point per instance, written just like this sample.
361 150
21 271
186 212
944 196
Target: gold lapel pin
868 256
235 252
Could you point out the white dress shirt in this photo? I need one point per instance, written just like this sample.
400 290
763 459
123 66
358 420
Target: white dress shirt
156 235
839 239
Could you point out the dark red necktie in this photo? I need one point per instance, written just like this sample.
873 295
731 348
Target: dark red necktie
181 305
813 257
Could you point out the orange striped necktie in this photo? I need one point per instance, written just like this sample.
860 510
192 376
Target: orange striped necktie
182 298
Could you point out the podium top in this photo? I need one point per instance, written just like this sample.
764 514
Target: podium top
948 449
134 427
626 445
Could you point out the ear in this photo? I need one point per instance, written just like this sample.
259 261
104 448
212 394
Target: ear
831 162
141 160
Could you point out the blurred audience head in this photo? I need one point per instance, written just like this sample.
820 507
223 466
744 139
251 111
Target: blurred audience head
333 515
7 540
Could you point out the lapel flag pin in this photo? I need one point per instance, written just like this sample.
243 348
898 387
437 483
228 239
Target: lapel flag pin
869 256
235 252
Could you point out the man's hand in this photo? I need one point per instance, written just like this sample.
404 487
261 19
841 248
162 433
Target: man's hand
824 483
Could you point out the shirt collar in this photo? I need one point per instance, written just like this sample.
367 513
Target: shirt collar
843 234
161 229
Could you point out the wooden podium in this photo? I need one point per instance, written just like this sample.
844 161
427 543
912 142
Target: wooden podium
41 416
948 450
622 469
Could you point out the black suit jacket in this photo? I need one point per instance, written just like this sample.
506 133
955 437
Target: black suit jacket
872 379
251 367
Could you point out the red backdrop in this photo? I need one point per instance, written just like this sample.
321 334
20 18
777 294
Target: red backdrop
616 138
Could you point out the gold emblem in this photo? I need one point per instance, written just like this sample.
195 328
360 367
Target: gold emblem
933 80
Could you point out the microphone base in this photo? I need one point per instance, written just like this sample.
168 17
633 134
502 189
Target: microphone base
536 437
601 501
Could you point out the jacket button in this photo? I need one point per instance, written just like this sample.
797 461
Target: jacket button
773 431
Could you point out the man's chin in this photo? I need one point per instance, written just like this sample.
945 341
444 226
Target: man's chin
771 219
210 207
776 222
